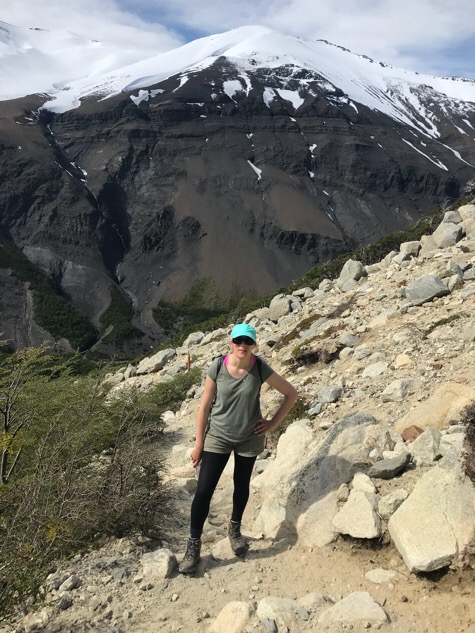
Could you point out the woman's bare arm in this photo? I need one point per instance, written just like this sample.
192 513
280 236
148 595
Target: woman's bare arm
290 396
202 419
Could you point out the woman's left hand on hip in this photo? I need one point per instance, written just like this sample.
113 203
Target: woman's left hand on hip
263 426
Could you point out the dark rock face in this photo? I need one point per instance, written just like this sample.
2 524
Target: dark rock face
188 181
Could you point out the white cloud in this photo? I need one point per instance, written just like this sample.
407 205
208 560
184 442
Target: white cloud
410 33
102 20
416 34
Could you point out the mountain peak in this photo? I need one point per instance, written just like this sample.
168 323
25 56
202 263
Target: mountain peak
70 68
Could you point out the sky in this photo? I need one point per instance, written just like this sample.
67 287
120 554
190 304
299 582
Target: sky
429 36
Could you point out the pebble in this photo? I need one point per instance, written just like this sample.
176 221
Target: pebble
65 602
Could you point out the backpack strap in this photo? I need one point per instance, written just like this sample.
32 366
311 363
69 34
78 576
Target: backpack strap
259 367
220 364
220 360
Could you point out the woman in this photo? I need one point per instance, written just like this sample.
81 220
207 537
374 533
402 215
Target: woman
229 420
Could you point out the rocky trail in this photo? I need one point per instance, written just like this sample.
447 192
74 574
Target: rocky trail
360 518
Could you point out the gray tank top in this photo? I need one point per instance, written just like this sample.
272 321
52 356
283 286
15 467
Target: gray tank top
237 405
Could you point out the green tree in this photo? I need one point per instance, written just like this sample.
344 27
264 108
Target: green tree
15 372
83 465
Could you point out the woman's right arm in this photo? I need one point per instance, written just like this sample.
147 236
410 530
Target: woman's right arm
202 419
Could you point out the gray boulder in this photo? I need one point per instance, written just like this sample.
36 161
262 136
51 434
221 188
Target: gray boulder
425 288
352 271
410 249
233 618
280 306
330 394
288 611
349 340
155 362
389 468
425 449
359 517
398 390
158 565
468 332
447 234
390 503
452 217
193 339
304 293
325 285
467 211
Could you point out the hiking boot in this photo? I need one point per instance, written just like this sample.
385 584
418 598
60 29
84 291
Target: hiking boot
191 558
237 540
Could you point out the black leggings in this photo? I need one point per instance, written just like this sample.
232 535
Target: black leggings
212 466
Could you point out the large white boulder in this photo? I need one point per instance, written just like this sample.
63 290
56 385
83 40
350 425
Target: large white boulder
303 497
436 523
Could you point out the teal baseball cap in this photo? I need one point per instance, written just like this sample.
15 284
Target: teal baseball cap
244 329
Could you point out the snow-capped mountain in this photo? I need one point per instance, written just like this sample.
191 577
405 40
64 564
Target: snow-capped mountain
403 95
150 173
71 68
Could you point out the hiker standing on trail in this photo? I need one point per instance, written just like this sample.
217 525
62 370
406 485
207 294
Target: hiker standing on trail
229 420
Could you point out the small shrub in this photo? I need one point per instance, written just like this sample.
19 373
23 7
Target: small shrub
169 395
468 418
295 332
80 468
311 357
469 188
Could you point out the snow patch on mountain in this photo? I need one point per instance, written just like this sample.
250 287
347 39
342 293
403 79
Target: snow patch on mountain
432 160
291 95
268 95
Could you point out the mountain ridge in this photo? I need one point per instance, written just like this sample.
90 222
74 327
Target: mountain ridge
247 172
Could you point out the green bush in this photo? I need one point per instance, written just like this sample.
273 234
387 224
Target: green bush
62 320
169 395
444 321
77 466
119 316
